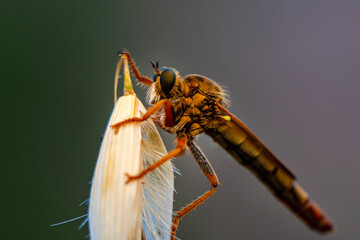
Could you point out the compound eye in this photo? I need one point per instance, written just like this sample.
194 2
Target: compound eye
167 80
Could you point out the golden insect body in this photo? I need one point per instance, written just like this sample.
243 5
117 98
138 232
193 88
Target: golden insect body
195 104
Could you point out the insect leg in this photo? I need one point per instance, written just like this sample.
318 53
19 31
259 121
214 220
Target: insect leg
135 70
211 176
180 148
169 118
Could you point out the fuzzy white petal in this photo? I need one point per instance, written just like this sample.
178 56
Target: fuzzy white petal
141 209
115 207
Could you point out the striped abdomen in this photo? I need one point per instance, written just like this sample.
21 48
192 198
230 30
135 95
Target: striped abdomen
248 150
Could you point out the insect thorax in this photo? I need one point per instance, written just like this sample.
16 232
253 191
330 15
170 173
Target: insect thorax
194 101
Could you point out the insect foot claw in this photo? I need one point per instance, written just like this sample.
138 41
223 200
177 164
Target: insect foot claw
116 128
132 178
123 53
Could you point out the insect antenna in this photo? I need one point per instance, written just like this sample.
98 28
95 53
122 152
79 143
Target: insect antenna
155 67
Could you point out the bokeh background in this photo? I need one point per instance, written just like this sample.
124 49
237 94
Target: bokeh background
292 68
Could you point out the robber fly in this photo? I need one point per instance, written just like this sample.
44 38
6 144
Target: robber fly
189 106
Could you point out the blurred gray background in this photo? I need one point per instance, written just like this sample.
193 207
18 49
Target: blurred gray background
292 68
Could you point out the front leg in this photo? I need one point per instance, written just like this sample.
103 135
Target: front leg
169 117
169 122
143 79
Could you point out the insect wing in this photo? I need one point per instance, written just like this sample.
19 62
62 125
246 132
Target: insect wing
247 149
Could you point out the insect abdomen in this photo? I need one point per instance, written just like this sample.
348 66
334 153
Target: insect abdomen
243 145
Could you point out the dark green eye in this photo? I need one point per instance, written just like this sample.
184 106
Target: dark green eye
167 80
